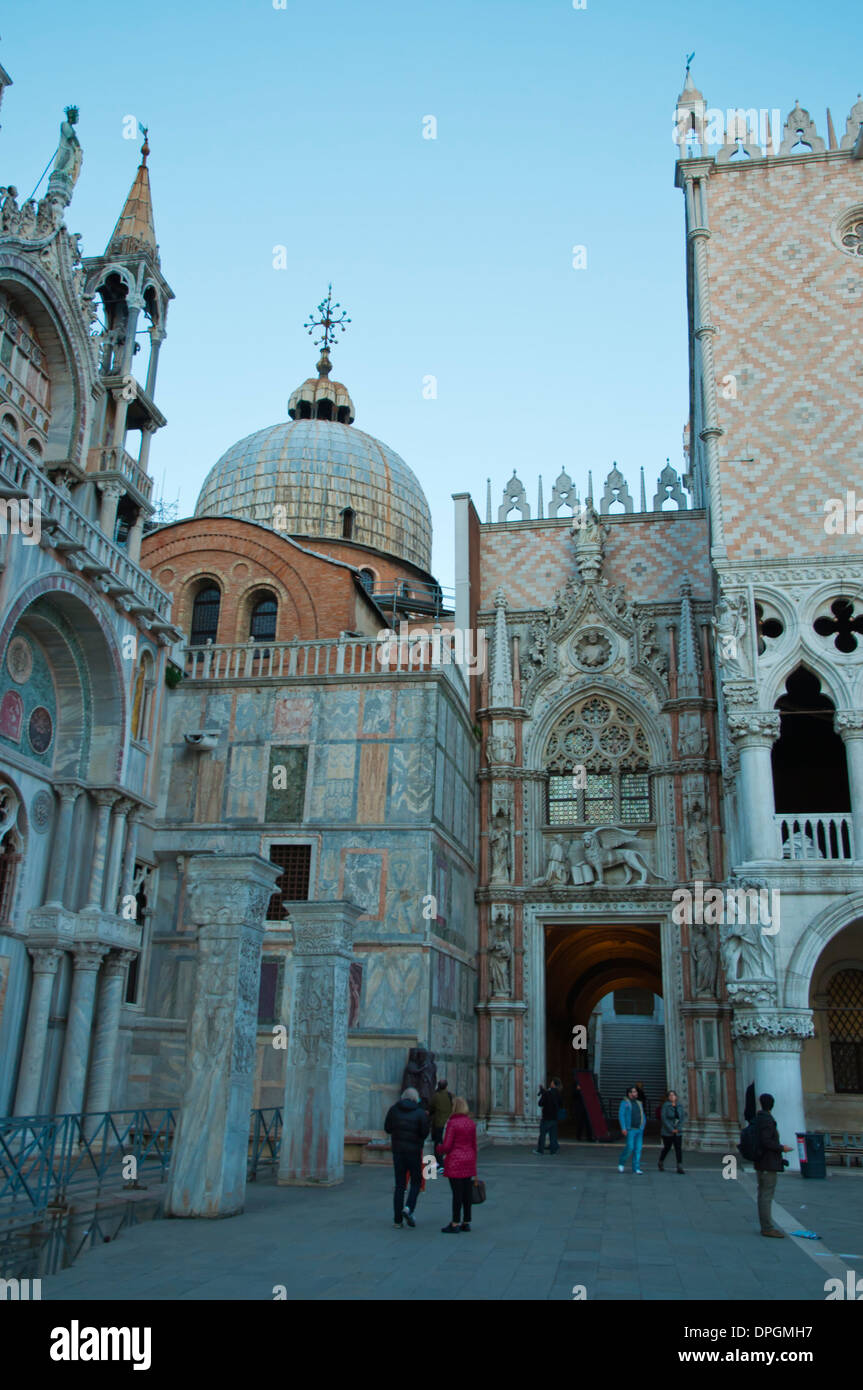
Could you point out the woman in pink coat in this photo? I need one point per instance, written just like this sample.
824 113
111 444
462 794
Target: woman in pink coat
459 1146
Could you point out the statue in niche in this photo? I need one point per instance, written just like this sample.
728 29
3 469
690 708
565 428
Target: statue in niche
729 625
747 951
499 957
693 742
697 842
705 958
421 1073
499 840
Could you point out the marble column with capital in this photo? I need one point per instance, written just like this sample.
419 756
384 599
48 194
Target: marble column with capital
227 896
755 732
106 1031
313 1118
76 1047
59 863
111 494
849 724
771 1041
104 800
45 963
117 844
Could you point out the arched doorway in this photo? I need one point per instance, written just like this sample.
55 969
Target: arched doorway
606 979
831 1062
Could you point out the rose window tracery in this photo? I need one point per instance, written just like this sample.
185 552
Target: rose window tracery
598 760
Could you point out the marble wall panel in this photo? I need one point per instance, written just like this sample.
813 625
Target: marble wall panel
338 714
392 990
292 718
286 803
377 711
247 783
411 782
372 789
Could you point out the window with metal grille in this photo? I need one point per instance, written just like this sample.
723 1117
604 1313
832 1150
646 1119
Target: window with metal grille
205 616
263 622
597 758
845 1026
295 862
269 991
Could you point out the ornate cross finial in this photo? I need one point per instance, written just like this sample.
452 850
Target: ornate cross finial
327 320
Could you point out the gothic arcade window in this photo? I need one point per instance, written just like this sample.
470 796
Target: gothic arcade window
809 769
205 615
598 761
295 862
262 625
845 1025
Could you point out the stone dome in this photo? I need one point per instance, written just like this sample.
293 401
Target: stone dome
313 470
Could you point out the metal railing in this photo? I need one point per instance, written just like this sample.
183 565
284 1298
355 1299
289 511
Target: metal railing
804 837
45 1157
412 596
349 656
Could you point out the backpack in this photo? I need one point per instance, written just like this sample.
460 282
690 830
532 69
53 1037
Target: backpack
749 1146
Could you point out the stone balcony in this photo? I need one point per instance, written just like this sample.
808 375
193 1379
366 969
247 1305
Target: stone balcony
808 837
83 544
116 463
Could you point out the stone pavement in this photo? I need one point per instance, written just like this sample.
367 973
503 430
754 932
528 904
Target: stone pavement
550 1223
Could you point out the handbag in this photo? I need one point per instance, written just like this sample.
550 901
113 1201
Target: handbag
478 1196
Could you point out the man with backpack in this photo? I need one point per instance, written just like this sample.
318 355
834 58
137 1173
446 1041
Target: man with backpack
760 1143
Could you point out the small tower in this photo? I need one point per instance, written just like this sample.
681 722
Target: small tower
134 299
689 121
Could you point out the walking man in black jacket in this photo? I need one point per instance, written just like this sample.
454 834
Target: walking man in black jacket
408 1124
768 1163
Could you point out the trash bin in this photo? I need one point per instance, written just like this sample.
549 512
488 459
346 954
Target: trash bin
810 1151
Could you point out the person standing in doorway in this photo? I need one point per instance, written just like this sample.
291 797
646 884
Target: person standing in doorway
550 1102
459 1149
768 1164
632 1119
671 1127
408 1124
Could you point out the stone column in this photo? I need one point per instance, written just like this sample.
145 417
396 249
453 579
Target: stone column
104 800
45 962
106 1031
68 793
773 1041
227 897
76 1049
755 733
128 876
133 542
119 813
849 723
111 494
313 1132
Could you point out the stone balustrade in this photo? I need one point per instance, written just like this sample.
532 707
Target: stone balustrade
116 460
805 836
75 535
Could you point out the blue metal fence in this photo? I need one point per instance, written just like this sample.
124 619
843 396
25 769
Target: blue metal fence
42 1157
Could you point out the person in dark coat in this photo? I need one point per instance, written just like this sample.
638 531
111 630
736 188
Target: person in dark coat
459 1148
671 1121
440 1110
550 1103
768 1163
408 1124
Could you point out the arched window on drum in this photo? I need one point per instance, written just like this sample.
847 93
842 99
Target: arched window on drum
598 765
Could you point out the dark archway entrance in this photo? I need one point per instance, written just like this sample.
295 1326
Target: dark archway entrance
583 965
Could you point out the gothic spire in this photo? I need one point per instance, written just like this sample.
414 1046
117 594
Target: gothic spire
688 656
501 665
135 230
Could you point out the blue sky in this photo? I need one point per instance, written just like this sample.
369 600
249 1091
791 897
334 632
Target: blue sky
302 127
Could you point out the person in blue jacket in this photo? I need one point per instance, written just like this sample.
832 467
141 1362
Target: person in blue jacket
632 1119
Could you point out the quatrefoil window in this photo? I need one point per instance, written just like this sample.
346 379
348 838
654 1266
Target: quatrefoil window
852 238
843 626
767 625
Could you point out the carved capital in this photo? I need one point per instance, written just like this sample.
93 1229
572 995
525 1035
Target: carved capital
780 1029
229 891
88 955
849 723
117 961
750 728
45 959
